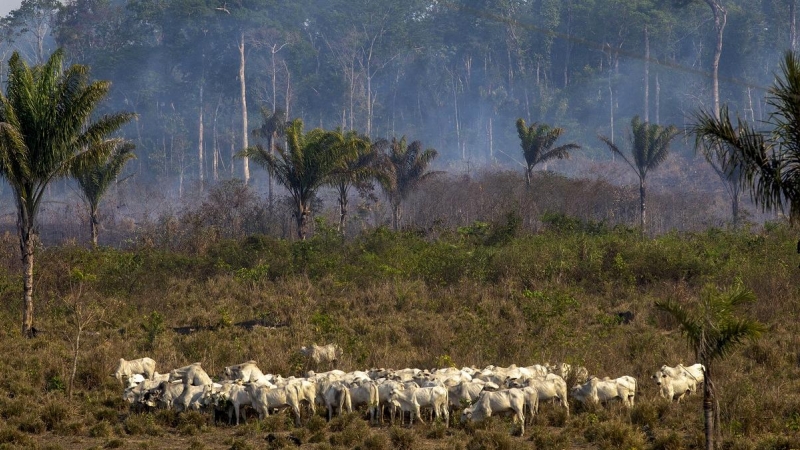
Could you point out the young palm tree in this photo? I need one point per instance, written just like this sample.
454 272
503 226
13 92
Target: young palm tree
769 164
94 181
537 142
46 131
404 168
272 127
302 167
713 331
649 148
356 168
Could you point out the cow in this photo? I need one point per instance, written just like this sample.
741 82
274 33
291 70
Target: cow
676 382
246 372
336 397
192 374
190 398
365 393
126 369
489 403
549 388
265 398
230 398
322 354
602 391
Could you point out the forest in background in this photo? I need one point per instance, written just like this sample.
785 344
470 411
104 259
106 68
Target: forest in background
453 74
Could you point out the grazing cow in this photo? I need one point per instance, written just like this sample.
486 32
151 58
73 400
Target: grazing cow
322 354
190 398
336 396
550 388
246 372
192 374
265 398
489 403
231 397
602 391
126 369
365 393
165 395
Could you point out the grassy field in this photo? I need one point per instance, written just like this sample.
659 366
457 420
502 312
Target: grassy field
472 296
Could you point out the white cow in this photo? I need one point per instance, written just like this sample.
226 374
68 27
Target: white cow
190 398
676 382
165 395
192 374
265 398
319 354
489 403
565 371
602 391
126 369
365 392
231 398
336 396
549 388
246 372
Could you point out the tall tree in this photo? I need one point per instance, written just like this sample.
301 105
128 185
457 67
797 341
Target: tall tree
47 131
537 142
302 167
649 147
713 330
273 126
404 168
358 165
95 180
34 19
769 164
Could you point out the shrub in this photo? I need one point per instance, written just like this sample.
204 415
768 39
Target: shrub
352 433
403 439
492 440
114 443
614 434
101 429
53 414
375 441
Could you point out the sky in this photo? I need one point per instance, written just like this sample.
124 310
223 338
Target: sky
6 6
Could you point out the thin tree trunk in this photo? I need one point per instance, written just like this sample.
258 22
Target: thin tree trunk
708 408
27 242
302 222
200 132
720 19
94 222
735 209
245 160
74 361
396 216
793 25
646 75
658 100
642 206
342 208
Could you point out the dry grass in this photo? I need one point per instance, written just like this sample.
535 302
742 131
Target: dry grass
401 300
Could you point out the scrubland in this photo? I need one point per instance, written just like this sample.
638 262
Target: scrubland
487 293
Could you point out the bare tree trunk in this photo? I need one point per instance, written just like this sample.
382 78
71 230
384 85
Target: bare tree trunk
658 100
75 361
646 75
27 241
245 160
342 208
708 408
94 223
396 216
642 205
200 132
793 25
215 160
720 19
302 221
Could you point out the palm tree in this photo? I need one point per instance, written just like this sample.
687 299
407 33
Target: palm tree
302 167
46 132
356 168
272 127
731 177
769 163
404 168
649 146
94 181
537 142
713 331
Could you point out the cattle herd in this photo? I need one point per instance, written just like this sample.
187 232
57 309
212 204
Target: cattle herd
475 393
